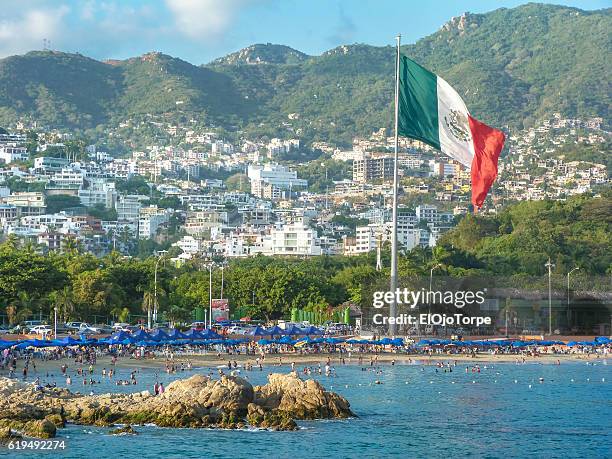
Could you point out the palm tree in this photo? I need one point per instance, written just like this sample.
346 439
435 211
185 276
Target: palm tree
20 309
64 302
148 302
120 314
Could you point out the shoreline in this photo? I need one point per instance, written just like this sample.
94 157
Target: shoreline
276 360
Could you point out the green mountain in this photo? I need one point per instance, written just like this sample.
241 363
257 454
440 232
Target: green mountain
263 54
513 67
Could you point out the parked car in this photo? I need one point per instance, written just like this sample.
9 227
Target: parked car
4 329
33 323
103 328
199 326
40 330
74 325
237 330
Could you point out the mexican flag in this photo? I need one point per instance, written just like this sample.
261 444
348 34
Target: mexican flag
431 111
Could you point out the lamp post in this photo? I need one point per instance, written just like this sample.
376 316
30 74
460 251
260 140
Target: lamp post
210 270
159 258
222 268
549 265
55 322
568 294
430 285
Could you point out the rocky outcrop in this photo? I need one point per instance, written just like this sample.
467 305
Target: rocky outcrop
125 430
199 401
300 399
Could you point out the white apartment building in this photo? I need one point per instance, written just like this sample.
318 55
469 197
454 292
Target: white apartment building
428 213
270 179
151 218
128 208
11 152
188 244
67 178
48 164
99 192
27 203
366 238
291 240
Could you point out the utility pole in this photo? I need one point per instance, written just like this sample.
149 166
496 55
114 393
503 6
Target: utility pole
549 265
159 258
222 268
210 270
430 286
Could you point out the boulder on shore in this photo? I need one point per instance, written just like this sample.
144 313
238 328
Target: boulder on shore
199 401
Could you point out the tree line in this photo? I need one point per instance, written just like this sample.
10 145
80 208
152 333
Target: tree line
515 243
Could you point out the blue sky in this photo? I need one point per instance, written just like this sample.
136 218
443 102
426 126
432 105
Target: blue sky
201 30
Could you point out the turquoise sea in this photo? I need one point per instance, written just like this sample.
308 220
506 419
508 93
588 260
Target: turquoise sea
503 411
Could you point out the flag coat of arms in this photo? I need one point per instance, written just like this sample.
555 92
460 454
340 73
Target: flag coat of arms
430 110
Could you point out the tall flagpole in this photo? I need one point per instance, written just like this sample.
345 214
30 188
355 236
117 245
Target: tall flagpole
393 283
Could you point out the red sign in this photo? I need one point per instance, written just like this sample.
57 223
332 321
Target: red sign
220 310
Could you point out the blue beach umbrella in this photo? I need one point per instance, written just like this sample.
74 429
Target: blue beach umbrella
258 331
7 344
141 335
120 335
285 340
175 334
276 330
333 340
312 330
159 334
193 334
294 331
209 334
69 341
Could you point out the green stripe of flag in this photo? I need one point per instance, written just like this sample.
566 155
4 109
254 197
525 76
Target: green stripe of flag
418 103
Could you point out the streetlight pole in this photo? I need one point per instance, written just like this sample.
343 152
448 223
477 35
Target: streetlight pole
210 268
431 285
55 322
159 258
549 265
222 268
568 294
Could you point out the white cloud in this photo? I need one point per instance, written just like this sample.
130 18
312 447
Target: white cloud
202 19
25 30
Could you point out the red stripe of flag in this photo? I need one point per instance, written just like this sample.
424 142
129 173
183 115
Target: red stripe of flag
488 144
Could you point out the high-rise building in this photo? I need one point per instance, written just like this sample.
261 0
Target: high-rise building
369 169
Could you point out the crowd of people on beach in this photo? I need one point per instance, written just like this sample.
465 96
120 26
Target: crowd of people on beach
178 359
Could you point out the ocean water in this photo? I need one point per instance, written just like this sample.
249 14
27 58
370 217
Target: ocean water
503 411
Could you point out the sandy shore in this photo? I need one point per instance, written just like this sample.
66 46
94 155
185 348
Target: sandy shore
212 361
